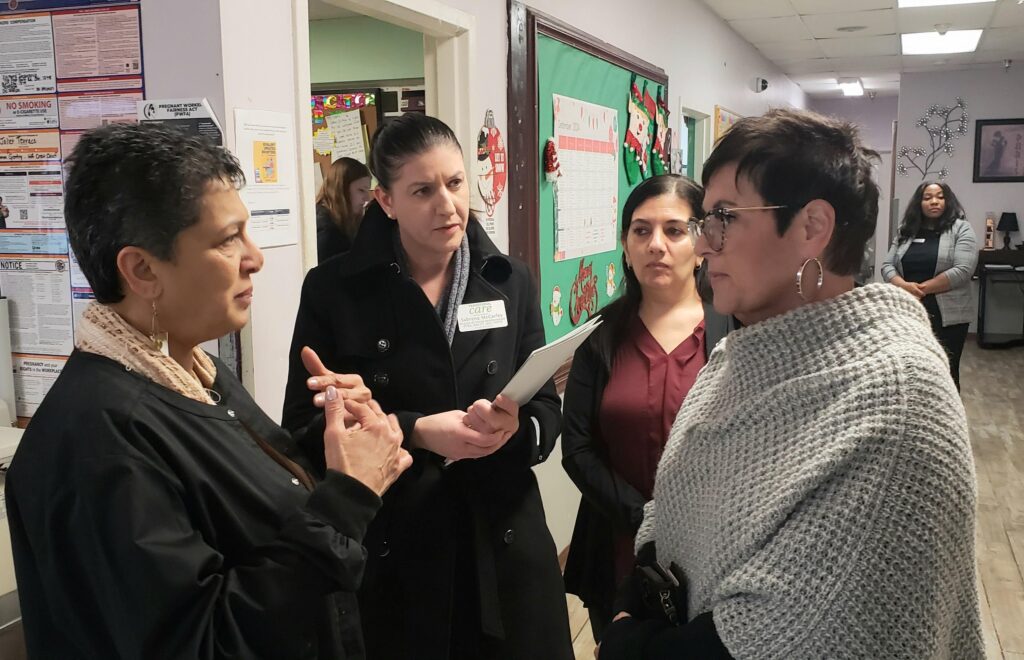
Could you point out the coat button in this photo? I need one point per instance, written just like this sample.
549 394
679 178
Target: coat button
384 549
295 481
231 413
492 367
510 536
381 380
383 345
395 268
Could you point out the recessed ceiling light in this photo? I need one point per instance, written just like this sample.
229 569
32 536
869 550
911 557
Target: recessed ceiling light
935 3
933 43
856 28
851 87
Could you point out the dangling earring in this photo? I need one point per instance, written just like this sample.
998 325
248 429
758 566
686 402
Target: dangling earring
800 278
156 338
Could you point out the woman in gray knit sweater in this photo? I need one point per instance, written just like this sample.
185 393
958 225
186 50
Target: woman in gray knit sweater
816 498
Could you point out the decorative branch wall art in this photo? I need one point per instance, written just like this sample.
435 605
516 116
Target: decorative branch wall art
944 125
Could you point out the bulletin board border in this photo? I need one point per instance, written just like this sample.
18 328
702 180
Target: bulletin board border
524 196
525 24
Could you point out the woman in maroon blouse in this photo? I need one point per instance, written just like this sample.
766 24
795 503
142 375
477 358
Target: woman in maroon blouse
627 383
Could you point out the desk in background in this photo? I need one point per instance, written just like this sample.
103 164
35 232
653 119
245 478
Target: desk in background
998 267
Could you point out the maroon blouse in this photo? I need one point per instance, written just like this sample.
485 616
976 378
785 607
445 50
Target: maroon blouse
644 392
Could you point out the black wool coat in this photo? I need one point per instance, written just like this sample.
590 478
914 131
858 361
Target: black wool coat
145 524
459 556
609 505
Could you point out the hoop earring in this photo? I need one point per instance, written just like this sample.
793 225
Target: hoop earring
800 278
156 338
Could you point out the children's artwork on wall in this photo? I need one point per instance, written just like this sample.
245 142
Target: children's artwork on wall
491 166
944 125
637 145
660 159
724 119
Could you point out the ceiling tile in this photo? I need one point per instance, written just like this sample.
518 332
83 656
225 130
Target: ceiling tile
834 6
854 66
1008 14
959 17
994 39
779 51
742 9
860 46
876 22
809 65
761 30
916 63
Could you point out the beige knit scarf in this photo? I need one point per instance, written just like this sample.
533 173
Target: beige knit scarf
103 332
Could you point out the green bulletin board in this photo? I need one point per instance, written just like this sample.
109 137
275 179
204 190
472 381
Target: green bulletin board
582 282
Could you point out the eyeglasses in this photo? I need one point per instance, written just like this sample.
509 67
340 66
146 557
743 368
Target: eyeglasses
712 226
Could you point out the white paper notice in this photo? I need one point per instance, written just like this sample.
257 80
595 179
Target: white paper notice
33 195
39 290
26 55
347 128
587 194
82 111
98 42
21 112
265 146
34 375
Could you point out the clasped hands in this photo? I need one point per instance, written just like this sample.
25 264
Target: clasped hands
479 431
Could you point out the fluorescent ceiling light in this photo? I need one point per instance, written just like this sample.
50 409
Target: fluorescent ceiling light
851 87
933 43
935 3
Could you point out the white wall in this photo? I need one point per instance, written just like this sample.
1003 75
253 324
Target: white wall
989 94
216 61
874 116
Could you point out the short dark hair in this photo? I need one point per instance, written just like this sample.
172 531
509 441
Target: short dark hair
912 216
139 185
620 313
795 156
408 135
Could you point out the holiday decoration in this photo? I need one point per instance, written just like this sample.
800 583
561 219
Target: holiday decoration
552 170
660 159
491 165
943 125
637 145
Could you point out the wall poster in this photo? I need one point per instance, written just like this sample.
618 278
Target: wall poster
587 193
66 66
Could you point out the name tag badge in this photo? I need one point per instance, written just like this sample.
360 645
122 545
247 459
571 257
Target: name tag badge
482 316
919 240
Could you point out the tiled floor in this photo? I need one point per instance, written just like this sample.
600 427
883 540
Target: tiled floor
993 394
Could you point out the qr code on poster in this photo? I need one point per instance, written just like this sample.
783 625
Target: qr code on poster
9 84
23 214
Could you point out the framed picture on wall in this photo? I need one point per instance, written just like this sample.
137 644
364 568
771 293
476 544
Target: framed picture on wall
999 150
724 119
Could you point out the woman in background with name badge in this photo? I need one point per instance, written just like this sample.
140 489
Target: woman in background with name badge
436 321
933 259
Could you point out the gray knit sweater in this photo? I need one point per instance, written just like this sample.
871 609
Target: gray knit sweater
818 488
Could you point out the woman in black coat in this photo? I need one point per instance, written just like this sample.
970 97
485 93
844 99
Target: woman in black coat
155 510
461 562
655 338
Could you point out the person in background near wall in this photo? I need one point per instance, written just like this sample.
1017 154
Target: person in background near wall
627 383
339 206
816 498
155 510
436 320
933 259
4 214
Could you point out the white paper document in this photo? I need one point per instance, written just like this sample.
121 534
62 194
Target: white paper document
545 361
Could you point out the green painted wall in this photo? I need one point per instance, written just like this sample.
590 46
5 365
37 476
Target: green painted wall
362 48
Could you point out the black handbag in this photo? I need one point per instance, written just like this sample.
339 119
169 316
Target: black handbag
652 591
